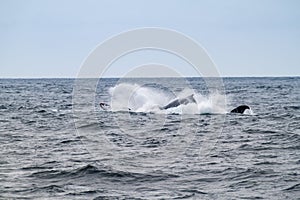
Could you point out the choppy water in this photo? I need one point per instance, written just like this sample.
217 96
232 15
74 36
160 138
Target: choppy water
150 155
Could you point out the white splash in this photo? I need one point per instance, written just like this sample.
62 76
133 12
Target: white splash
138 98
248 112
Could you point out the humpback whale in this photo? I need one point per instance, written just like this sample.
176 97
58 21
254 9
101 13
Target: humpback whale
181 101
172 104
240 109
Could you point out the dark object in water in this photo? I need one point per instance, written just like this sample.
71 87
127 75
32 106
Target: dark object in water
104 106
172 104
240 109
177 102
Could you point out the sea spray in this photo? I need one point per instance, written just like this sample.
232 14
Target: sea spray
136 98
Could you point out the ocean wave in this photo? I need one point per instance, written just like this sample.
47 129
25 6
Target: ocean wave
295 187
3 107
90 170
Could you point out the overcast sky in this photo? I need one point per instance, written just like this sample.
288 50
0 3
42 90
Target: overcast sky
243 37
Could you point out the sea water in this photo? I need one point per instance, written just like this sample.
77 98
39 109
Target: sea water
53 147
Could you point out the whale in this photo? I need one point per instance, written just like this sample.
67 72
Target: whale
240 109
173 104
183 101
179 101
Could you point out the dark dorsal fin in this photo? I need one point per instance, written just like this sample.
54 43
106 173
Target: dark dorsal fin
240 109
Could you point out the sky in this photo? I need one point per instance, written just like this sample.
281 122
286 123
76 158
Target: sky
52 38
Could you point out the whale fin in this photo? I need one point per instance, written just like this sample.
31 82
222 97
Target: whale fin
104 106
240 109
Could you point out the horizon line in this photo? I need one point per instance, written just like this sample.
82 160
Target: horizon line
136 77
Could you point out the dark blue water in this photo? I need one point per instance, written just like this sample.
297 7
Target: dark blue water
49 152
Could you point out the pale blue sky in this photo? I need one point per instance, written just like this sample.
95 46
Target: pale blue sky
51 38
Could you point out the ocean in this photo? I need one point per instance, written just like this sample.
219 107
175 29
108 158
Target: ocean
57 143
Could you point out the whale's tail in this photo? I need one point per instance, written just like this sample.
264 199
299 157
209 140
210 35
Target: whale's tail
240 109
